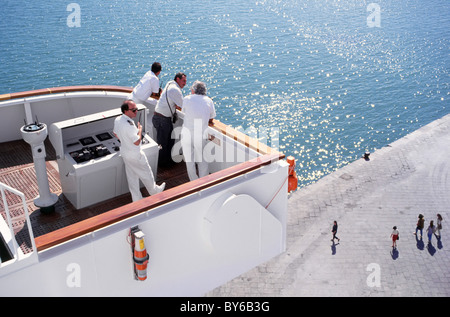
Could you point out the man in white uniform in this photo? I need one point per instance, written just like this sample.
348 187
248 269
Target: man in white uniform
147 92
198 111
136 163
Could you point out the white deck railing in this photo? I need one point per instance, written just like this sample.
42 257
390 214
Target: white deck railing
10 238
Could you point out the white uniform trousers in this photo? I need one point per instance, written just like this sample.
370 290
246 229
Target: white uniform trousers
138 168
193 154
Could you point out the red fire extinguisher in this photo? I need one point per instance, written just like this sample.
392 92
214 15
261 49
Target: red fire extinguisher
140 256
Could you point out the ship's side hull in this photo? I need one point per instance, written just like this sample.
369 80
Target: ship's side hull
194 244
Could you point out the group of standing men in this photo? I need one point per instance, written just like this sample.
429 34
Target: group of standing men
162 105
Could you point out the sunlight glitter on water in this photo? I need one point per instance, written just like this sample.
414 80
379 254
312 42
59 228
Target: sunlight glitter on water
312 70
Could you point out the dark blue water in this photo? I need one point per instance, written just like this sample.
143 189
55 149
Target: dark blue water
317 78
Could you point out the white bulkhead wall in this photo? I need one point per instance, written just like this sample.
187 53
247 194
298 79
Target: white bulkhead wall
185 239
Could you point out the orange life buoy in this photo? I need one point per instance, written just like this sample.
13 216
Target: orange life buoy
293 180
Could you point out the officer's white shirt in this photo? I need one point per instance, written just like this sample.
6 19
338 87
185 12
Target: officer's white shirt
171 92
127 132
197 109
148 84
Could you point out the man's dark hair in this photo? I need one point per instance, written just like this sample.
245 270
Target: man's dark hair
179 75
125 106
156 67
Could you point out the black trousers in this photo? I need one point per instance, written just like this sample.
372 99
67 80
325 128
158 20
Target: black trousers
164 128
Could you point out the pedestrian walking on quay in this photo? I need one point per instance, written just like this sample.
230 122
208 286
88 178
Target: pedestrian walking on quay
394 236
430 230
438 226
420 225
334 231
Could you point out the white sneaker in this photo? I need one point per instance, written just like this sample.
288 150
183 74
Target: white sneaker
159 188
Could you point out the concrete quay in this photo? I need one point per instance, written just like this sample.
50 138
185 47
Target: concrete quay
366 198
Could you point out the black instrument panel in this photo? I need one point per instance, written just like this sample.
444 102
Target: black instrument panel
92 147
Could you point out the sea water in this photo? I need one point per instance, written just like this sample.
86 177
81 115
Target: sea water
321 80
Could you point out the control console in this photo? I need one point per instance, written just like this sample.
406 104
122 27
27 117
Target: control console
88 155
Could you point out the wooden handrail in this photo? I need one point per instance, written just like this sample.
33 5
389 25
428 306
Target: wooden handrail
242 138
55 90
97 222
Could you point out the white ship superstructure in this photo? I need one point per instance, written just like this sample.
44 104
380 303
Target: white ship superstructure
184 241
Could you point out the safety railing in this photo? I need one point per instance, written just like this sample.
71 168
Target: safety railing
17 256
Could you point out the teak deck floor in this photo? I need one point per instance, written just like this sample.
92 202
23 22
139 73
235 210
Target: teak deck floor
17 171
